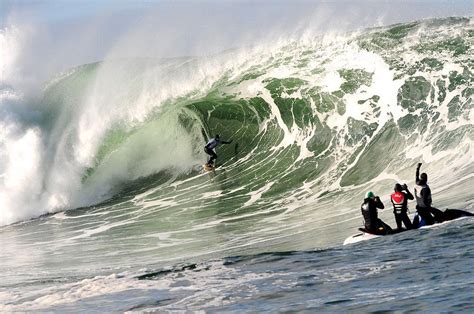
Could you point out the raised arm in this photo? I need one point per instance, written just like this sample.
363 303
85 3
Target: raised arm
417 179
408 193
226 142
378 203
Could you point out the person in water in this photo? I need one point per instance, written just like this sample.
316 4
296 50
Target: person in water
210 146
423 199
372 223
399 200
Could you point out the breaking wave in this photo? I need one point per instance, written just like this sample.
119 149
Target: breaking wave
315 122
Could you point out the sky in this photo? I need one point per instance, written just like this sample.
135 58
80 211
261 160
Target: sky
188 23
52 35
59 10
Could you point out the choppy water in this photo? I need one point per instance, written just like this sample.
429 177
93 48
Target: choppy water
421 270
106 164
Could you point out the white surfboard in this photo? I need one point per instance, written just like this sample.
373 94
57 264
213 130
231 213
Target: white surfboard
361 236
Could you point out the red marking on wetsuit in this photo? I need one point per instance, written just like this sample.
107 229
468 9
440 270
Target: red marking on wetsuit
398 197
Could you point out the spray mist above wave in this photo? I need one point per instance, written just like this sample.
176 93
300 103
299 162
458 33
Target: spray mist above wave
342 111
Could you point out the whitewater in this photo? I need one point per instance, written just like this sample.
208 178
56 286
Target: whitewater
104 205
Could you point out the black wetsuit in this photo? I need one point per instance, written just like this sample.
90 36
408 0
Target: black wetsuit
209 148
400 208
372 223
423 202
211 153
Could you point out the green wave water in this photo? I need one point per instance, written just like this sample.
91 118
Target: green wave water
315 123
337 114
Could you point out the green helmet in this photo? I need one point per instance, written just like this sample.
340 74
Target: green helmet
369 194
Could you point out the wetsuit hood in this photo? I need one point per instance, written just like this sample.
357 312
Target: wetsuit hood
424 177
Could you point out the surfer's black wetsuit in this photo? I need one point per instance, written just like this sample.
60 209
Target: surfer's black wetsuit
372 223
423 201
209 148
211 153
400 207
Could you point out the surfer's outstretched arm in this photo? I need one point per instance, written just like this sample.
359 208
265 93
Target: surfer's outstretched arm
226 142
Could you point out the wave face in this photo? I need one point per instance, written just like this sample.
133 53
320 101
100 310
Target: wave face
114 149
314 122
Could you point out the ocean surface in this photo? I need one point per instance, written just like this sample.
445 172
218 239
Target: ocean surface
104 206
